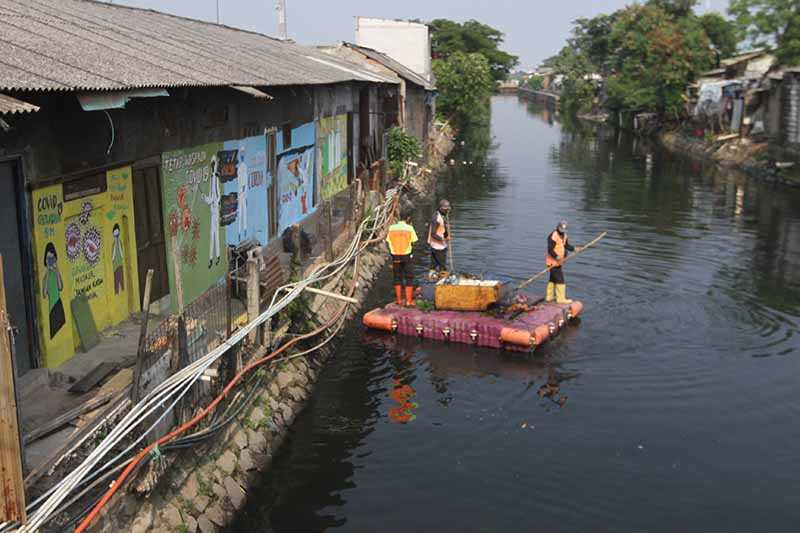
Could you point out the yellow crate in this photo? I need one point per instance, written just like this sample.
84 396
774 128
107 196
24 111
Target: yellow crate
467 295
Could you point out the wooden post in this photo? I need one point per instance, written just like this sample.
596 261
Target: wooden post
12 487
140 355
176 265
253 294
228 307
329 212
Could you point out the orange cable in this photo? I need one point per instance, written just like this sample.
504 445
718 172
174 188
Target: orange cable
210 408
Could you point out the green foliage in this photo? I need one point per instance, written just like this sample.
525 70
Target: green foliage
721 32
402 147
465 85
645 54
535 83
655 56
675 8
770 23
591 37
472 37
577 87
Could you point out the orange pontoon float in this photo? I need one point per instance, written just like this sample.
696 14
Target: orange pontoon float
520 328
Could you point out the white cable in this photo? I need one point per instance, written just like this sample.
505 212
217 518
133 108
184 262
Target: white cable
183 380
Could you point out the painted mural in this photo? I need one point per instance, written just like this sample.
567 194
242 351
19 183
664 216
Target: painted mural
332 145
296 177
84 247
245 214
193 213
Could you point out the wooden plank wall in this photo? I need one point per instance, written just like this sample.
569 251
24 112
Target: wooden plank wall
12 488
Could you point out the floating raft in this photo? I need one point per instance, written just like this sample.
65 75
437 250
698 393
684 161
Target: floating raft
518 331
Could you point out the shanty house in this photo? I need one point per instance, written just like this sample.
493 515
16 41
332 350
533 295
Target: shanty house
134 140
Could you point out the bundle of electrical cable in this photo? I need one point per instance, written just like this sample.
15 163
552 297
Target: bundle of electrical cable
164 397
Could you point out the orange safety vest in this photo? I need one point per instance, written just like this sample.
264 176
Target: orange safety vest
440 230
560 249
401 237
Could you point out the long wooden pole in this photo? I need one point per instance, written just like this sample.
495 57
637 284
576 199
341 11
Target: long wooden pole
548 269
452 266
12 488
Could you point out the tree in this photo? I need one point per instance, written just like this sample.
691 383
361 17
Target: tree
770 23
654 57
465 85
535 83
675 8
591 37
721 32
577 87
402 147
449 37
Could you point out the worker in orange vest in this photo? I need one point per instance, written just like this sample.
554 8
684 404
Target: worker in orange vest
558 247
438 239
401 238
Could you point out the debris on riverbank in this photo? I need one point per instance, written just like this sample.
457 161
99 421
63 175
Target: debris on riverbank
738 153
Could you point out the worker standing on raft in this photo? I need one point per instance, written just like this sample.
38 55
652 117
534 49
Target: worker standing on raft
401 238
438 239
558 247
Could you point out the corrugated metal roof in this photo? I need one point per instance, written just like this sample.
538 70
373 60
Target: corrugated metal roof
88 45
742 57
359 60
393 65
12 105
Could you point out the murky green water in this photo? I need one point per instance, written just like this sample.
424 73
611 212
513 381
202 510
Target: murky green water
682 377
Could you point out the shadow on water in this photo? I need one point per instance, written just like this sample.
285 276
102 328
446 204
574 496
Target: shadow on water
680 378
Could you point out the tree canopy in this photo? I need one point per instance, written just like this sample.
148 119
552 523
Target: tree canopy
646 55
654 56
449 37
465 84
770 24
722 33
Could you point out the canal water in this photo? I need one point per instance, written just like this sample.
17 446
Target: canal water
680 386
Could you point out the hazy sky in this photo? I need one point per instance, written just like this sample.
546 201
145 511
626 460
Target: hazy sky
535 29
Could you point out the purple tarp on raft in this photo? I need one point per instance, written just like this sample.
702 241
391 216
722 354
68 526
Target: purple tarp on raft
475 328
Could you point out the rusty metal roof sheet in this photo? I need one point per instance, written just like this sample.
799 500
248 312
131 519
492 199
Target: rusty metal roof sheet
393 65
88 45
9 105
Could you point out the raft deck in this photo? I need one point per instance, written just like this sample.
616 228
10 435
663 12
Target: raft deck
520 331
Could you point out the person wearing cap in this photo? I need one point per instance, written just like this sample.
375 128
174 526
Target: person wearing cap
558 247
438 238
400 239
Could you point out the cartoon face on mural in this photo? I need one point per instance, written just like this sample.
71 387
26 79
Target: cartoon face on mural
52 285
73 241
69 238
92 245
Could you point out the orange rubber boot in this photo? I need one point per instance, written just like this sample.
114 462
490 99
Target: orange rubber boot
410 296
398 294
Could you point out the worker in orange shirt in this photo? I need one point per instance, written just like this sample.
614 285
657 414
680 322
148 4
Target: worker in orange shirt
400 239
